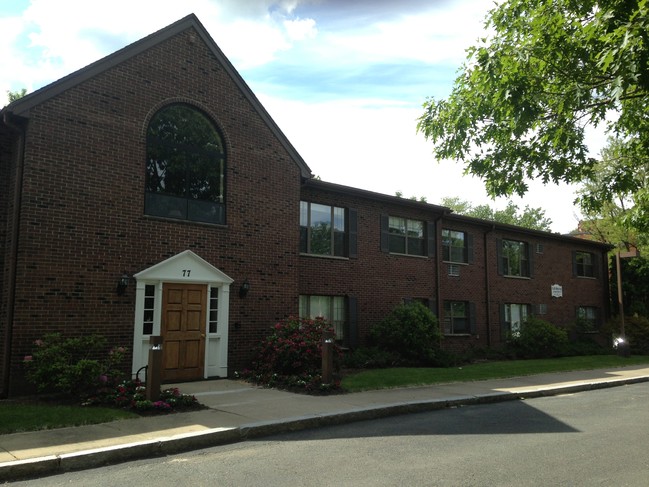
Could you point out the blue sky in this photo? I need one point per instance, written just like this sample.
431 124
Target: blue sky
344 79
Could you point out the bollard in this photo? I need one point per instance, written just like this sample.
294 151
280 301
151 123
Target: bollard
327 357
154 372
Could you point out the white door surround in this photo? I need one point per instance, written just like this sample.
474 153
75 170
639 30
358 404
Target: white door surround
188 268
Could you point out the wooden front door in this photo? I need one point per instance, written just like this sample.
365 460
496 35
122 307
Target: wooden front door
183 331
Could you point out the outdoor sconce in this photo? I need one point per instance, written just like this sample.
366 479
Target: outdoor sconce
122 284
244 289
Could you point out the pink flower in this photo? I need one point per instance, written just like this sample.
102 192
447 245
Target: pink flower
103 378
28 358
39 343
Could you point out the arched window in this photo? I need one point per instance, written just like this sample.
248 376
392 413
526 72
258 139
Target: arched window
185 166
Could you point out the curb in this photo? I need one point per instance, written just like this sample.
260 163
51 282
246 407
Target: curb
159 447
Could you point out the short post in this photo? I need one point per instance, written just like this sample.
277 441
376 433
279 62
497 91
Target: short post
327 357
154 372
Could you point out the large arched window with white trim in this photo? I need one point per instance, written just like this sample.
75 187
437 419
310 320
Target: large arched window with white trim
185 166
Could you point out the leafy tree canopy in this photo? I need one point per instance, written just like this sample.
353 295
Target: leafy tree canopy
16 95
611 221
524 97
533 218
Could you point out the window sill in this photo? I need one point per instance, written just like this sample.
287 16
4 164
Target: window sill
524 278
457 334
454 263
592 278
319 256
190 222
409 255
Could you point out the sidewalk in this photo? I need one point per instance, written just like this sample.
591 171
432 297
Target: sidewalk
238 411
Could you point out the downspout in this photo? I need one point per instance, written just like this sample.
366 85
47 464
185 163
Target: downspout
17 124
487 284
438 242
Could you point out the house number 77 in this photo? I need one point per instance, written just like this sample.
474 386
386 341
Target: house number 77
186 272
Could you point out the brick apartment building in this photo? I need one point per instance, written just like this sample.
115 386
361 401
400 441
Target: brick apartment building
150 193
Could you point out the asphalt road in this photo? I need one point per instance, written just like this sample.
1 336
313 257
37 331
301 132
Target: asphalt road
590 438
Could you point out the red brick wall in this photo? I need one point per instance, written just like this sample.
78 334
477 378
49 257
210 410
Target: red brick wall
83 221
380 281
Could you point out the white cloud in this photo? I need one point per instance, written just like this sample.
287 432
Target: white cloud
301 29
370 143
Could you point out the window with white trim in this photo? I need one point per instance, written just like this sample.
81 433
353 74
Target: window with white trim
515 315
149 309
213 311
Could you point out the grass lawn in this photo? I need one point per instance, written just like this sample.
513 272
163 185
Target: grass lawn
31 416
402 377
19 416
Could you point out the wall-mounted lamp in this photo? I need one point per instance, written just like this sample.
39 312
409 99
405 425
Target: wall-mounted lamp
244 289
122 284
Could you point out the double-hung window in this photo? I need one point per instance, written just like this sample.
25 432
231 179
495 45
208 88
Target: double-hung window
587 317
406 236
455 246
457 318
331 308
584 264
513 316
322 229
514 258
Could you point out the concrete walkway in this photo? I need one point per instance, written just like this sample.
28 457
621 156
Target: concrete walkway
238 411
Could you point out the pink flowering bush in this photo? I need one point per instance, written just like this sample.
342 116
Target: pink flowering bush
291 357
72 366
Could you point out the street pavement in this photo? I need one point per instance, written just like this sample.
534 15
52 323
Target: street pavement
238 411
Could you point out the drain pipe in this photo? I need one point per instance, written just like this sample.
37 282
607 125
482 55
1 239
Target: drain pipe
17 124
487 283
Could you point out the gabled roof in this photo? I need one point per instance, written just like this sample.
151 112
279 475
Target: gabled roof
22 106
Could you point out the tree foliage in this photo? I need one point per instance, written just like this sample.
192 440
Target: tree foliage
533 218
16 95
613 219
524 97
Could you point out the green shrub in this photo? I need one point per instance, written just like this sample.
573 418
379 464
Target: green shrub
411 331
538 339
73 366
291 357
370 358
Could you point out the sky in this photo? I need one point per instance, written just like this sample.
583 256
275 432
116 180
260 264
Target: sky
345 80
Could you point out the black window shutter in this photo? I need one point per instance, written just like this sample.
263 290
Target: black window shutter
574 263
352 321
353 232
499 255
504 331
473 329
432 239
385 233
469 248
530 259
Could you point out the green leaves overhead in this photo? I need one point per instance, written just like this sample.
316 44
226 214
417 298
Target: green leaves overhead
548 69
